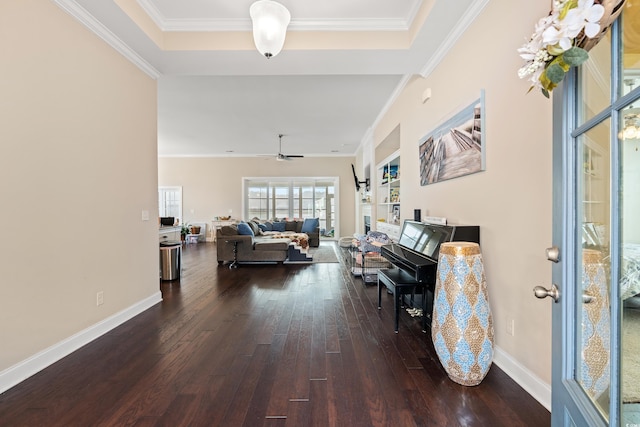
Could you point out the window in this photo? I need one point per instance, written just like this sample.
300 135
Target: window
292 198
170 202
257 200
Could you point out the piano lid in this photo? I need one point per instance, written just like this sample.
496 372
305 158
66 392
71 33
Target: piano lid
424 238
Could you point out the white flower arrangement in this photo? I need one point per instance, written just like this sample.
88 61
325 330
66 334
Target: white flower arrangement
553 47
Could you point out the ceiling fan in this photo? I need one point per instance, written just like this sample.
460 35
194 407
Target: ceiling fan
281 157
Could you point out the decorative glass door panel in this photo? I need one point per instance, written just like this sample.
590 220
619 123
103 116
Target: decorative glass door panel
629 270
593 311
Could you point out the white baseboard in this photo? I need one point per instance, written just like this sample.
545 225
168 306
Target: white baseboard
34 364
532 384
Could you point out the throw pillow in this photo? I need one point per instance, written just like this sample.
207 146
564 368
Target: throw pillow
279 226
254 228
244 229
268 225
262 227
310 225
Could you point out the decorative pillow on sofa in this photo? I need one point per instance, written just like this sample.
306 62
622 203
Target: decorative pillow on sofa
310 225
279 226
244 229
254 227
268 225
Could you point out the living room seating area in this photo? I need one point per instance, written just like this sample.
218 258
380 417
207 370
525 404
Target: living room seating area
257 241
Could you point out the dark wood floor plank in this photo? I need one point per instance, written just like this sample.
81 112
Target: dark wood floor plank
318 400
221 390
180 412
237 410
332 338
318 368
298 414
337 393
354 392
264 345
257 408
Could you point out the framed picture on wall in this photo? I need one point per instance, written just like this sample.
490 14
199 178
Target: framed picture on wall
395 214
456 147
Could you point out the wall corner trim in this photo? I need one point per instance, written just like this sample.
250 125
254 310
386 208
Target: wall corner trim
34 364
453 36
526 379
96 27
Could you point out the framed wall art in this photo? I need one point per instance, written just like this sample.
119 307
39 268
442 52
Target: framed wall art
456 147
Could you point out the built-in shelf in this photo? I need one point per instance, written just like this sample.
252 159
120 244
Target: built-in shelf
388 196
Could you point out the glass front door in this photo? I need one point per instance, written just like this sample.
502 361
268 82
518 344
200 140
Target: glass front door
596 323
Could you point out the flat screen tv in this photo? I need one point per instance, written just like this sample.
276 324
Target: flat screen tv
355 178
424 238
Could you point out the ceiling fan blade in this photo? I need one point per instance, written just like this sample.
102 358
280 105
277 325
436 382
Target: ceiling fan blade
299 156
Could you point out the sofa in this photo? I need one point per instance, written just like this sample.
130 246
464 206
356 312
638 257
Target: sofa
308 226
258 241
250 248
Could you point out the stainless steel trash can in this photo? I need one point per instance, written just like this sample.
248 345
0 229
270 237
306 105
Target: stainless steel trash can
170 260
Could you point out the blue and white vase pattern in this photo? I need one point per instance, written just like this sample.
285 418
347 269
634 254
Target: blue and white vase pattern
462 325
596 324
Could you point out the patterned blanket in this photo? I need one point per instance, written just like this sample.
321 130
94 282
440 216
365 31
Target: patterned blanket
300 239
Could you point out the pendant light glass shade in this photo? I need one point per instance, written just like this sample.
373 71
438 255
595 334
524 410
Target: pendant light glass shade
270 21
631 124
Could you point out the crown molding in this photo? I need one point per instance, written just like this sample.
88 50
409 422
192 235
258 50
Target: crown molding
396 93
190 25
96 27
453 36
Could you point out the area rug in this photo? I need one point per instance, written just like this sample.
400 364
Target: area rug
631 356
325 253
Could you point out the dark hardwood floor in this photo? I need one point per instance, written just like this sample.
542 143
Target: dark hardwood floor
277 345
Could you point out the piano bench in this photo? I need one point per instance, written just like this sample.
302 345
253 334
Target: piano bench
400 283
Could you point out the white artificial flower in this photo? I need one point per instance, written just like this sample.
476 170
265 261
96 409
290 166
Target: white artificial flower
590 15
553 36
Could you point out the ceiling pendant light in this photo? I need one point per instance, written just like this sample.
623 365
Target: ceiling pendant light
270 21
631 123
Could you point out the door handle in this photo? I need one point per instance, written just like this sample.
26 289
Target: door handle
586 298
541 292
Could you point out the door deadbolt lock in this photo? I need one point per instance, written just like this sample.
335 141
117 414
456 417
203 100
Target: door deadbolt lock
553 254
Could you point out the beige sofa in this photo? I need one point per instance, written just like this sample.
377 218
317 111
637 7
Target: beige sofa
249 249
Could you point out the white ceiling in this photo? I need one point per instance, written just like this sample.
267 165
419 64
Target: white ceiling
225 99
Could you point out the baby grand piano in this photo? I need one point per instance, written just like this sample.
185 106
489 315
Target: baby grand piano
415 260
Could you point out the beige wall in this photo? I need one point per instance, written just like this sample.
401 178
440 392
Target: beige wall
212 186
511 200
78 166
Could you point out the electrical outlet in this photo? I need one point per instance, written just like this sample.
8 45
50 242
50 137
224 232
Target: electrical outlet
100 298
511 327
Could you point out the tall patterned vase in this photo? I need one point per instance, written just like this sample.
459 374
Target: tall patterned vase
596 325
462 326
